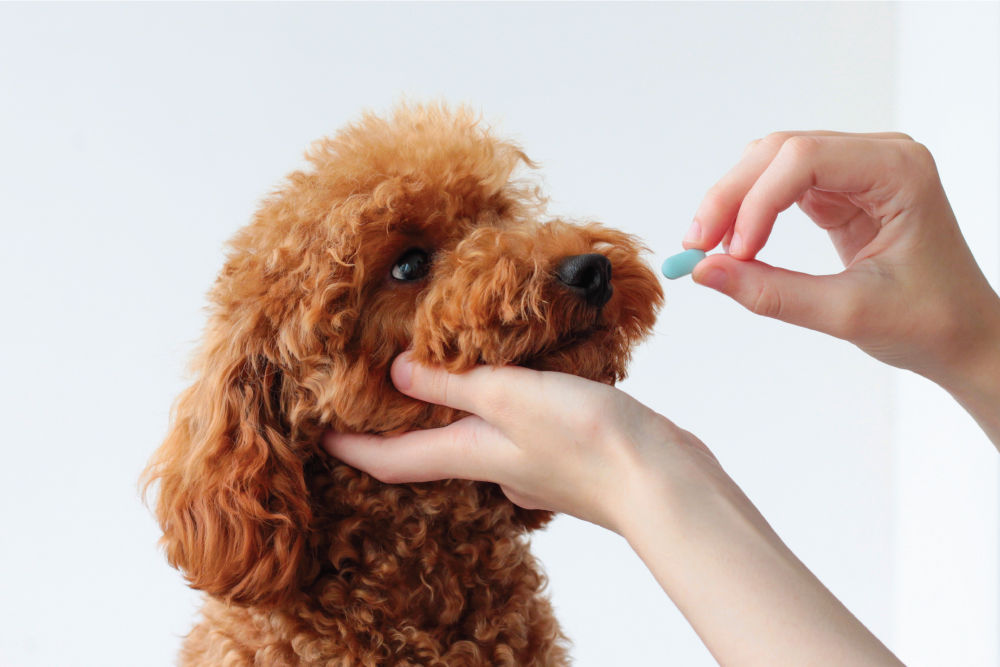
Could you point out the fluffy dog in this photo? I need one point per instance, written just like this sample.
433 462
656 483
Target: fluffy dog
405 232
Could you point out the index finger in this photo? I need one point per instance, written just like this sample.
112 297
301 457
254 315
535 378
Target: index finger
717 212
466 449
844 164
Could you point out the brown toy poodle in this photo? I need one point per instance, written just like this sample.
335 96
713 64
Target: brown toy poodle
405 232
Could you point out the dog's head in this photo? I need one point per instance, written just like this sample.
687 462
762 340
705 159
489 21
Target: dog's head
406 232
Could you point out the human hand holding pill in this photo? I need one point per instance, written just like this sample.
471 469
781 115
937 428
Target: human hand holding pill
561 442
880 199
911 293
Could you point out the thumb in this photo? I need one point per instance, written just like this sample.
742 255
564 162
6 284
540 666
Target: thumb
476 390
820 303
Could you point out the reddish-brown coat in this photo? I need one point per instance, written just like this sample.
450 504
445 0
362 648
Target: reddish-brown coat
304 559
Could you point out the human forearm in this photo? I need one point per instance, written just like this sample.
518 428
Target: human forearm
745 593
984 406
979 393
634 472
972 374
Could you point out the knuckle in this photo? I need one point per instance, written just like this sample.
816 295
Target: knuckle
435 382
465 442
715 199
800 148
903 136
444 386
778 139
915 162
918 154
752 146
497 401
773 143
755 199
766 301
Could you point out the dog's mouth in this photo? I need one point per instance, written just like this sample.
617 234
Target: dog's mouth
589 353
565 343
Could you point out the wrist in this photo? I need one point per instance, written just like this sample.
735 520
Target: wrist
972 341
673 481
974 380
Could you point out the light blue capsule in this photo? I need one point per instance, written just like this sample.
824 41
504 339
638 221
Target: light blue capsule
682 263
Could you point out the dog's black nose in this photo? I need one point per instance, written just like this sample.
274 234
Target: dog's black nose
587 275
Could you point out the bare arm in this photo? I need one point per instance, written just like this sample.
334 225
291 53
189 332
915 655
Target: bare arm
911 295
560 442
749 598
975 383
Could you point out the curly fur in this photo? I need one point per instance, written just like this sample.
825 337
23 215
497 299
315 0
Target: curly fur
304 559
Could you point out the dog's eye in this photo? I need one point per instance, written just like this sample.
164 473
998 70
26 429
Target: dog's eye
413 265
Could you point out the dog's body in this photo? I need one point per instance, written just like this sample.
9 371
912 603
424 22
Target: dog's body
407 232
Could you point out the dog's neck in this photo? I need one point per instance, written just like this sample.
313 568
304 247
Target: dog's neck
369 535
440 564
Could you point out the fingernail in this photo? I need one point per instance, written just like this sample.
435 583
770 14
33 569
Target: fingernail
694 233
402 372
714 278
735 244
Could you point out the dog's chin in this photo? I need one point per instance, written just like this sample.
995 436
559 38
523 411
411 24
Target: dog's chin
596 355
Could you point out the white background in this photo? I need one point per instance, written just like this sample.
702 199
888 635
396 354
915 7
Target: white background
135 139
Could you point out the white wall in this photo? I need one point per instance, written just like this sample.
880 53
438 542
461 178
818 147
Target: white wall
134 139
947 577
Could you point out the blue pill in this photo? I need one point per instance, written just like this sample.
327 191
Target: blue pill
682 263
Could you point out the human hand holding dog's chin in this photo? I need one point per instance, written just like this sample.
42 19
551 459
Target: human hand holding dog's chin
560 442
550 440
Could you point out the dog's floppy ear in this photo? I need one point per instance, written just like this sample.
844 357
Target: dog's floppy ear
232 499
